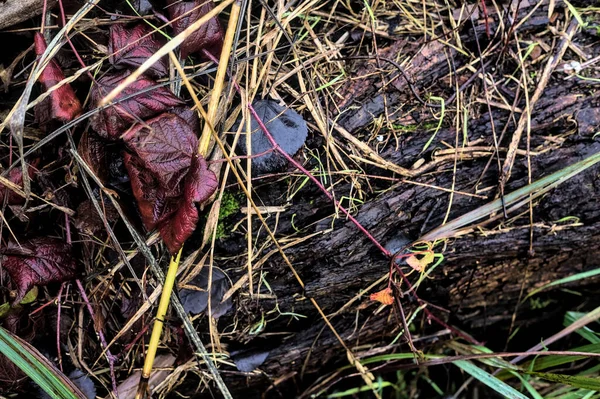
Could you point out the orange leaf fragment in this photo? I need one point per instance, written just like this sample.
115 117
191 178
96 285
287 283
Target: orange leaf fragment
420 264
384 296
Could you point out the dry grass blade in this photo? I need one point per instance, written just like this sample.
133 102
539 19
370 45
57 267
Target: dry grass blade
525 120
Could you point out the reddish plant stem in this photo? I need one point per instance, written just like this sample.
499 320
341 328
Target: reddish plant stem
277 148
109 356
430 315
58 354
387 253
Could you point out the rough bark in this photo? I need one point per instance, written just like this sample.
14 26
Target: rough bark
484 275
14 11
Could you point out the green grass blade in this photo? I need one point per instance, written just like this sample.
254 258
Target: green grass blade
354 391
486 378
585 331
569 279
37 367
534 394
515 199
571 380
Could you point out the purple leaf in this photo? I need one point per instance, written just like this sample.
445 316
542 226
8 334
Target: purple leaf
39 261
132 47
208 37
145 103
168 179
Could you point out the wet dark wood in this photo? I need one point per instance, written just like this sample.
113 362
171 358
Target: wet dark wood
484 276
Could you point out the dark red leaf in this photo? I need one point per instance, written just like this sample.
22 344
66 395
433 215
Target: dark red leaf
154 206
209 36
165 146
132 47
63 104
114 120
200 184
167 178
39 261
188 115
15 175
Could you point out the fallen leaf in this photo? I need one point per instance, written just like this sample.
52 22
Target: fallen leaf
286 126
209 36
15 176
137 102
384 296
62 104
38 261
131 47
194 298
168 179
420 264
248 361
165 146
200 184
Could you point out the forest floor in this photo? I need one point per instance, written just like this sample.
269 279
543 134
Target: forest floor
428 227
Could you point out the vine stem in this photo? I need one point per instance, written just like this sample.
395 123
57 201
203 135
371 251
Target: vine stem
296 164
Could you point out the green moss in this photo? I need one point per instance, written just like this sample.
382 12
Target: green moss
230 205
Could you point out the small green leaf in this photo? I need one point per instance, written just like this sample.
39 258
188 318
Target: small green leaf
576 14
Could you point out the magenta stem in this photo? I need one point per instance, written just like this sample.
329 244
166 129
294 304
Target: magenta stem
303 170
109 356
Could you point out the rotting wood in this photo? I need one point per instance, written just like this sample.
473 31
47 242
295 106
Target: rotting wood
15 11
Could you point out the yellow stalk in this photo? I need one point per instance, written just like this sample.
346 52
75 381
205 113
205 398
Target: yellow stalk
202 150
163 305
215 96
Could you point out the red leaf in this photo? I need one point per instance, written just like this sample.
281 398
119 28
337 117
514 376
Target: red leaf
39 261
132 47
167 177
63 104
15 175
209 36
165 146
154 206
200 184
114 120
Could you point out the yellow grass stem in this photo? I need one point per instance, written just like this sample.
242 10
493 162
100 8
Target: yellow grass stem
163 305
202 150
215 96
